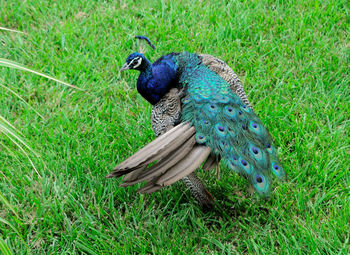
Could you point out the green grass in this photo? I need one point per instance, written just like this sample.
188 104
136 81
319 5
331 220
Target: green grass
293 58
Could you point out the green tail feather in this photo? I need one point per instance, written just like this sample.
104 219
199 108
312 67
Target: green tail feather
225 124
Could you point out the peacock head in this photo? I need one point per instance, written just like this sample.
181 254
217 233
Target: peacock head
136 61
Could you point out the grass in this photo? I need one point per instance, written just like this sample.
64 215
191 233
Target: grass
293 59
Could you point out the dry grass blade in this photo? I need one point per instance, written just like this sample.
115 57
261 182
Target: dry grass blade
12 64
11 30
2 119
8 132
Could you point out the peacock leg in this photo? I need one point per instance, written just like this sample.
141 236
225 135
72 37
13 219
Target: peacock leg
218 171
198 190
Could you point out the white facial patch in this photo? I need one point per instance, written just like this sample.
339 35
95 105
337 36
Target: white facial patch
139 60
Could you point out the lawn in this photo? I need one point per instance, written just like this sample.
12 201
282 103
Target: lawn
293 58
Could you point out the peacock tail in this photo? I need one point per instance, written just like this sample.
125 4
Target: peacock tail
227 125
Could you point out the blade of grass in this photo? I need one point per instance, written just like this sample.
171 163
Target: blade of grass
8 132
15 230
11 30
7 204
12 64
24 152
4 247
18 96
8 123
18 141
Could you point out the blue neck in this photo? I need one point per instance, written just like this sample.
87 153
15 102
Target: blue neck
156 80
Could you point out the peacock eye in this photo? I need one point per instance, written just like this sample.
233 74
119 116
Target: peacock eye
255 125
200 138
222 129
244 163
136 62
276 167
268 145
255 150
244 106
259 179
240 112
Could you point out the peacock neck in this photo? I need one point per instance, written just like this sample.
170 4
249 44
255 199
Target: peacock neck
143 80
145 74
146 66
157 79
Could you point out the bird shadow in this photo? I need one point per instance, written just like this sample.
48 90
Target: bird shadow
230 207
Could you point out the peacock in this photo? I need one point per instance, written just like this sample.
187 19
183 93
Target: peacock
200 114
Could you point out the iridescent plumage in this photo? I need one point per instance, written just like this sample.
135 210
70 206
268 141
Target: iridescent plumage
225 125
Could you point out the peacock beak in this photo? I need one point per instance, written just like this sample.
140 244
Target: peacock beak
124 67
